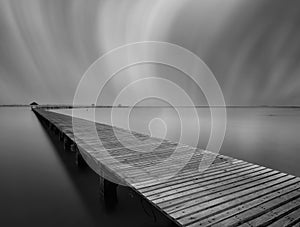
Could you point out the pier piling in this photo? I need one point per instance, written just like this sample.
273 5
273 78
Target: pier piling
67 143
108 192
80 162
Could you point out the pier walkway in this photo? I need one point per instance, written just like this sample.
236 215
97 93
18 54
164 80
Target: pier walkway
230 192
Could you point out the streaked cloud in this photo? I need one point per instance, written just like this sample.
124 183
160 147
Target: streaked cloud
251 46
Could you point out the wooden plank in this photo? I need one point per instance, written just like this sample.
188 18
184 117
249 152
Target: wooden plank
292 219
213 172
272 211
202 182
191 206
220 215
210 187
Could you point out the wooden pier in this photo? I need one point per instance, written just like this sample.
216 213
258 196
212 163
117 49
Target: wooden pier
230 192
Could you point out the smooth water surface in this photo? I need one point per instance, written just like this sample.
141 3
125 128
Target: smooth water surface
40 184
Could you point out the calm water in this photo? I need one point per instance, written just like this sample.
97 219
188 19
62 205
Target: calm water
266 136
41 186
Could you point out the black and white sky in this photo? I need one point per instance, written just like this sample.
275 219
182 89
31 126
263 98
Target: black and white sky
252 47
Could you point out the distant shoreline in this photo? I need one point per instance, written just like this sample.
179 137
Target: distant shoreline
90 106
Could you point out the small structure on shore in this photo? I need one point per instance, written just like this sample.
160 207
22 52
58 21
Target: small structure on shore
33 104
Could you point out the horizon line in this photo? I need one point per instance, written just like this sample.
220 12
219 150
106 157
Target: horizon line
149 106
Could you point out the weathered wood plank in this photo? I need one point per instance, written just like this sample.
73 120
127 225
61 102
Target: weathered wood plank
221 215
183 206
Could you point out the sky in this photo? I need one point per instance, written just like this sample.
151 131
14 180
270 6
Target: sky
252 47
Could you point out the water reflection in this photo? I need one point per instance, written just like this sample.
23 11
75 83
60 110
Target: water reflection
41 185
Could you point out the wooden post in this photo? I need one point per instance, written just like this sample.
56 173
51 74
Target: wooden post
73 147
80 162
67 143
61 136
56 131
108 192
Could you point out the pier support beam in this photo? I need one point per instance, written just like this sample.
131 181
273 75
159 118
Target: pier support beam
61 136
80 162
67 143
56 131
73 147
108 193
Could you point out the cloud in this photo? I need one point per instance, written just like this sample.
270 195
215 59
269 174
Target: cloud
251 46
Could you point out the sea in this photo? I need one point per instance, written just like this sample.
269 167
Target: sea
41 185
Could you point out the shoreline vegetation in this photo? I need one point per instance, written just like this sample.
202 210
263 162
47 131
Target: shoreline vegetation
65 106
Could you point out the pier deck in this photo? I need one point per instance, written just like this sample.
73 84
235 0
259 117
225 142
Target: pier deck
230 192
